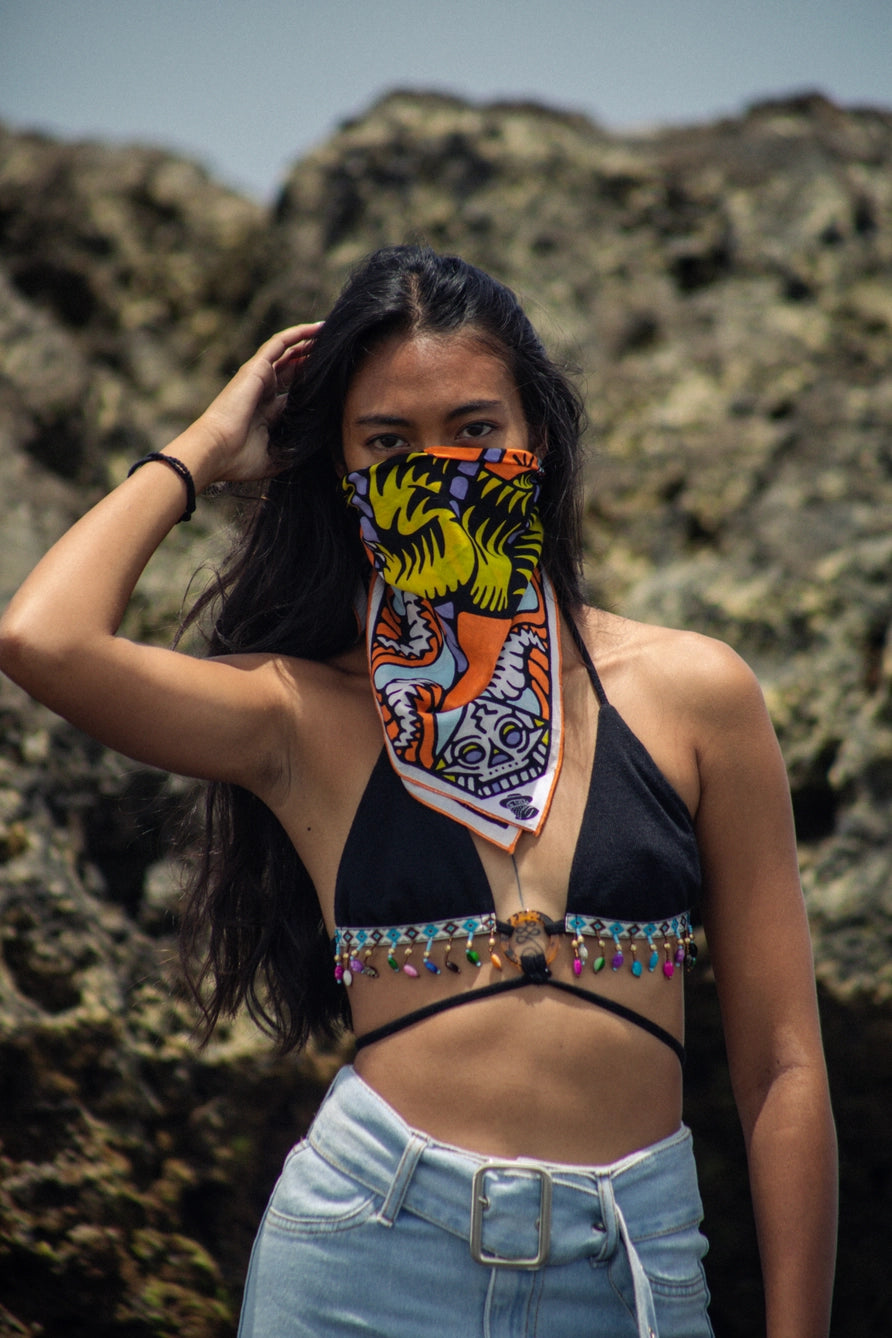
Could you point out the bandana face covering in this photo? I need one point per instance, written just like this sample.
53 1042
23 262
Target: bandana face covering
463 633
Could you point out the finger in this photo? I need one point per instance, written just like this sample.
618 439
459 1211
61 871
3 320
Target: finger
272 412
285 368
296 336
285 350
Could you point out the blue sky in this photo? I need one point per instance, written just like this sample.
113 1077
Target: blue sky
247 86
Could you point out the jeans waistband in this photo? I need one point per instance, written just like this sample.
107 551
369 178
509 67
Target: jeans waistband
517 1213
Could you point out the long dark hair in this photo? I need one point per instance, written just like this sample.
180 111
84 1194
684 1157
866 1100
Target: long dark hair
252 930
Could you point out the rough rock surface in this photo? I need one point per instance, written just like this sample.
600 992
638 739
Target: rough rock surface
727 289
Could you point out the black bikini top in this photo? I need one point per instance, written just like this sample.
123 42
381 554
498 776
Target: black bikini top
410 876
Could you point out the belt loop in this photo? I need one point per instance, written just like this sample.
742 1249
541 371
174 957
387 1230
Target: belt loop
400 1183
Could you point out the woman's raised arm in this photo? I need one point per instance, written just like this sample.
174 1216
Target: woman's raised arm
58 637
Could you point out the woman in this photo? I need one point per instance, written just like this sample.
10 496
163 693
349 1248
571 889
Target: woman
503 803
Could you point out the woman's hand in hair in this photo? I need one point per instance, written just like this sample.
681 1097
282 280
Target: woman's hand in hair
236 424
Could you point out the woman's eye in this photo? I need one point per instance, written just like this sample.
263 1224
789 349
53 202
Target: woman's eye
389 441
477 429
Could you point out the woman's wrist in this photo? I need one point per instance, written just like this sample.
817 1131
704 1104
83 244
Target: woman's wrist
174 477
200 453
182 472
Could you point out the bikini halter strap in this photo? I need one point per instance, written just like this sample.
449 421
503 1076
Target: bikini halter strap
587 661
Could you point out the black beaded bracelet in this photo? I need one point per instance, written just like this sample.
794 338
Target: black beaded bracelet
178 468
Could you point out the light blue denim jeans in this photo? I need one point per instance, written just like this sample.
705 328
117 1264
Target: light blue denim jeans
376 1228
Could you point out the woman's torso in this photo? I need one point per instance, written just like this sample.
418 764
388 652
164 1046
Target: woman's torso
534 1072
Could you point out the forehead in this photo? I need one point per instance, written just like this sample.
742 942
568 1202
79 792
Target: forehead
438 368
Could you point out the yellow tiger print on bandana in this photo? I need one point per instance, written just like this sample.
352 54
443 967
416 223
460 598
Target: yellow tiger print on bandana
484 553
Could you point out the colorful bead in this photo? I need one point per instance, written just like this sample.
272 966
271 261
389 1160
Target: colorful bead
339 972
347 977
410 970
617 960
426 959
392 962
367 968
577 967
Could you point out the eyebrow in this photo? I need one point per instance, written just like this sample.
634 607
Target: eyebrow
391 420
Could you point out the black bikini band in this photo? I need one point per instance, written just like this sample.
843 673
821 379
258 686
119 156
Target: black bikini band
518 982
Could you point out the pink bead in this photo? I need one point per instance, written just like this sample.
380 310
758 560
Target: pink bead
409 970
339 973
577 967
668 970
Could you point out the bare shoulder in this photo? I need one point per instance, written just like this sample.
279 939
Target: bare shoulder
703 680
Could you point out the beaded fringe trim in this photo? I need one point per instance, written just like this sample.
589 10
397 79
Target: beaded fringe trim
618 943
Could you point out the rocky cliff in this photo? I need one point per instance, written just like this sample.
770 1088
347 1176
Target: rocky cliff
726 290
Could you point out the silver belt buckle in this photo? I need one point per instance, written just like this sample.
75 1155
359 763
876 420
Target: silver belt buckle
479 1203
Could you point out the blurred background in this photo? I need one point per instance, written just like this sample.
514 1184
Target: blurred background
695 204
